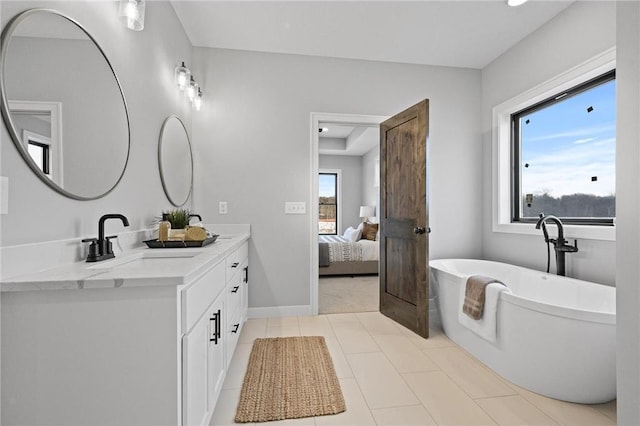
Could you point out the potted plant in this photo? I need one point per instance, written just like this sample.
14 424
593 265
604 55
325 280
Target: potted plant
179 218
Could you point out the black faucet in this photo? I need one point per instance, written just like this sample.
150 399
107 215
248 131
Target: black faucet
195 215
101 248
559 245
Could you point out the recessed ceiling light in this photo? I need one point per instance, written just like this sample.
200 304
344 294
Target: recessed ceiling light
516 2
323 129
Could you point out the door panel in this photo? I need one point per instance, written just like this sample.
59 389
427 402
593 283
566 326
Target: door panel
404 245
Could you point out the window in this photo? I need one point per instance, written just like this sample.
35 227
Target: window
328 208
563 155
40 153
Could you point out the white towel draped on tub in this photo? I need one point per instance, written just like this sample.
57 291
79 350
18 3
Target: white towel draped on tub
485 327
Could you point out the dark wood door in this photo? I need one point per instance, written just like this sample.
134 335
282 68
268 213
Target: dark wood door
404 240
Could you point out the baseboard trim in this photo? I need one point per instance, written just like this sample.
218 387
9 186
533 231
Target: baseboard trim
280 311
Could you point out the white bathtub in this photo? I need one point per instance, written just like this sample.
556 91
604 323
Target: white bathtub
556 336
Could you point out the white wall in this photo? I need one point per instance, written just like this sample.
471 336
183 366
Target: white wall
253 142
582 31
144 62
628 213
351 199
371 192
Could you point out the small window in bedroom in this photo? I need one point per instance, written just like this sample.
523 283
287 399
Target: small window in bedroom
563 155
328 208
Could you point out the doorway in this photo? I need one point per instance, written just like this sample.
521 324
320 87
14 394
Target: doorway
350 218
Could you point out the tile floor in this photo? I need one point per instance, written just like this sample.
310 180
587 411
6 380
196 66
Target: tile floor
390 376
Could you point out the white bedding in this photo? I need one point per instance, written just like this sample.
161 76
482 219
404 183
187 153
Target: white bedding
340 249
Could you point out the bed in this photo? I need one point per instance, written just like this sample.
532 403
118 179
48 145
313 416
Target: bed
340 255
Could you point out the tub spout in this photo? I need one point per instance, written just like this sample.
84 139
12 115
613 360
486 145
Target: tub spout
559 245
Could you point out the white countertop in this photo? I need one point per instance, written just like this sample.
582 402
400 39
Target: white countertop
137 267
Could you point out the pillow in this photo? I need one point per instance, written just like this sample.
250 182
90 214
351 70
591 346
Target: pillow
369 231
351 234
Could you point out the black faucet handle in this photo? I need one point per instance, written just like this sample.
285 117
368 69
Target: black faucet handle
111 237
94 251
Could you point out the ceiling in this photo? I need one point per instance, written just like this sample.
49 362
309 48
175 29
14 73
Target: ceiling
468 34
343 139
456 33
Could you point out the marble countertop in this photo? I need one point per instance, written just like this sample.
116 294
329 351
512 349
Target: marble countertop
140 266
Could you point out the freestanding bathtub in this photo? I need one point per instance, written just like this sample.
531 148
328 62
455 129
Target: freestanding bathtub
556 336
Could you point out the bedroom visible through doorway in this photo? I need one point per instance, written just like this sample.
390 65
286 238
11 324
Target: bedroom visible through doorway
346 259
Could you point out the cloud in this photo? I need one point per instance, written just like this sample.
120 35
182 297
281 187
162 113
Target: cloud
576 133
570 169
585 140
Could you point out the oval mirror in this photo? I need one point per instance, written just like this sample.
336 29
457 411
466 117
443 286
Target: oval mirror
63 105
175 161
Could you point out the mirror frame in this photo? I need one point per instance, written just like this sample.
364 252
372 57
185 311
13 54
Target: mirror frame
160 169
7 33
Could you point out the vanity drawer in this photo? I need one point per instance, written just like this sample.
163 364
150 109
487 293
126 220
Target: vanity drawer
233 330
233 297
199 295
235 259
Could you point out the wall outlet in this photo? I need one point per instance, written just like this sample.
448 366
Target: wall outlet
295 207
222 207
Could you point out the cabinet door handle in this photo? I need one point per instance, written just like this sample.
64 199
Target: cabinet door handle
235 264
218 325
246 275
235 289
215 335
235 328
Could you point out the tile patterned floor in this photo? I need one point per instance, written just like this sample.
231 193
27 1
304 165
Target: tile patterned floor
390 376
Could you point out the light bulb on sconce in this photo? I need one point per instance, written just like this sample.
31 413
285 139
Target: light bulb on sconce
197 100
192 89
182 76
132 11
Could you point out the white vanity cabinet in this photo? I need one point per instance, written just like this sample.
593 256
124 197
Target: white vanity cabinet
129 349
203 361
211 333
235 293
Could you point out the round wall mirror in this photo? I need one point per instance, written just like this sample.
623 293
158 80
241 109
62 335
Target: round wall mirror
175 161
63 104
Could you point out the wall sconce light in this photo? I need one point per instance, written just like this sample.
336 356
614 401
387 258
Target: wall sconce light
187 83
182 76
192 89
197 100
132 11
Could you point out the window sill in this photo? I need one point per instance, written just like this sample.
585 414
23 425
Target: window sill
586 232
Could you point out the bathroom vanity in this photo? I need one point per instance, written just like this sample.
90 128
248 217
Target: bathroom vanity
145 338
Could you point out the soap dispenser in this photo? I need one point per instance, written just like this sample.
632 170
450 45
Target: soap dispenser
163 228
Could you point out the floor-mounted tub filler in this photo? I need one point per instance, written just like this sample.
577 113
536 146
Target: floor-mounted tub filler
555 336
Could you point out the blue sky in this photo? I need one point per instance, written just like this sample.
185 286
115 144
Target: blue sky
326 187
565 146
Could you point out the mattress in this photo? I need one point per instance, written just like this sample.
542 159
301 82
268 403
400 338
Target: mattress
342 250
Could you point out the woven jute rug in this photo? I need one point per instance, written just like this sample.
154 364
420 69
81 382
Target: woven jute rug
289 378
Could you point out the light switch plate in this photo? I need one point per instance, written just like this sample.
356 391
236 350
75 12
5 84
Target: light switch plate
222 207
295 207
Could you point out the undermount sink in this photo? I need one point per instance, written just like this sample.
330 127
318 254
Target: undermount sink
146 258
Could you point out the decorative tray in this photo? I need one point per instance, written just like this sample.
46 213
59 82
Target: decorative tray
180 244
